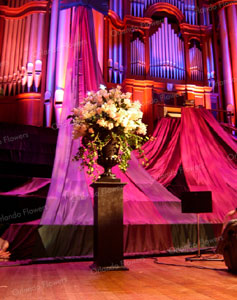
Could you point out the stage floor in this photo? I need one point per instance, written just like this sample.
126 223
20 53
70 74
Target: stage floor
173 278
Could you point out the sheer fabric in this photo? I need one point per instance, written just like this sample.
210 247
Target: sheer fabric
68 200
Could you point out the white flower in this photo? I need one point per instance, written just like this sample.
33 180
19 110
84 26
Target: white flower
127 101
102 87
128 95
110 125
120 115
134 114
112 114
124 123
109 108
136 104
141 129
102 123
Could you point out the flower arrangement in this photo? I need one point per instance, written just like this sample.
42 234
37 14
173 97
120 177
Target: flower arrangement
107 116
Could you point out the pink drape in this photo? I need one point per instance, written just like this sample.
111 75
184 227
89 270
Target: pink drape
68 198
164 152
207 153
31 186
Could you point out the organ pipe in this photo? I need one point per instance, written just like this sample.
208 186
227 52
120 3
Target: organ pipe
3 58
6 77
21 52
38 56
115 60
110 60
117 7
25 54
137 57
196 63
166 53
51 63
187 7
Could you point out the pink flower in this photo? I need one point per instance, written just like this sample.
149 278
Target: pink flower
76 111
99 110
91 130
79 130
99 100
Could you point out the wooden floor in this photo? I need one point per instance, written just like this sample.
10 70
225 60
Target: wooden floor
172 278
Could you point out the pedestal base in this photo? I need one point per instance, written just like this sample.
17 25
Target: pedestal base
96 268
108 225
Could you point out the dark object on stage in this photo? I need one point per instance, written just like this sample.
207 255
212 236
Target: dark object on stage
196 202
108 225
228 246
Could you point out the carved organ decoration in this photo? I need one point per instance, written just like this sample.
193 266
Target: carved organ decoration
18 3
167 53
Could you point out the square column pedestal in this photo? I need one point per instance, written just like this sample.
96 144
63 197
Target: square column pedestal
108 225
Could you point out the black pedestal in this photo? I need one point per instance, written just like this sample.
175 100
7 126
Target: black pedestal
108 225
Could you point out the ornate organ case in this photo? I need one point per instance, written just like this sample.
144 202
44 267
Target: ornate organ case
23 50
162 52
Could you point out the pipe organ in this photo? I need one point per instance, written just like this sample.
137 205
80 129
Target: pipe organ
196 64
22 51
210 64
187 7
115 59
166 53
206 16
137 57
116 46
150 47
159 53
